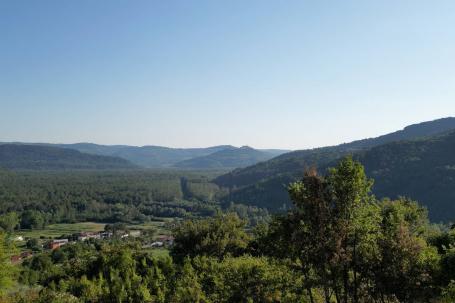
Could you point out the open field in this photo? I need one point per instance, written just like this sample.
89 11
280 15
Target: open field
56 230
159 252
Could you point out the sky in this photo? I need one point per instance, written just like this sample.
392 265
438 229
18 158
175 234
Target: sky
268 74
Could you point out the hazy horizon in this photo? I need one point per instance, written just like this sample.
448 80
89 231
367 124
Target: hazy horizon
185 147
291 75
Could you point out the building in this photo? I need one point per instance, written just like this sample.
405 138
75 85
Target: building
18 258
105 235
88 235
54 244
166 240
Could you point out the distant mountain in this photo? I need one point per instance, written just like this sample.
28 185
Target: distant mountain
159 156
146 156
36 157
228 158
263 184
294 163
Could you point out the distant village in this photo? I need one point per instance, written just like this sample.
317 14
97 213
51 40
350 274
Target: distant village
160 241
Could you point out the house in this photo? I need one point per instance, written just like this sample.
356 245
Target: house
167 240
105 235
88 235
54 244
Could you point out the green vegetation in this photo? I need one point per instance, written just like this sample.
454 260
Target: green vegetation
339 244
7 271
421 169
146 156
224 156
39 157
227 158
42 198
57 230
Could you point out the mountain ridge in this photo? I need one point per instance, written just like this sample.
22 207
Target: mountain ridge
152 156
263 184
227 158
38 157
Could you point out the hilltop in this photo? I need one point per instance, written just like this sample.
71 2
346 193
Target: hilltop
35 157
391 159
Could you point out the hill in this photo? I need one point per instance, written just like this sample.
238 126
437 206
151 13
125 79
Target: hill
423 170
35 157
146 156
227 158
294 163
264 184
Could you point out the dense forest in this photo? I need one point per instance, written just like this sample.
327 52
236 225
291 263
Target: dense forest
421 169
38 157
222 156
111 196
338 244
228 158
41 198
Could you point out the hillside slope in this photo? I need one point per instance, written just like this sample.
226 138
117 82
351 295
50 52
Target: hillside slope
423 170
227 158
294 163
393 165
146 156
35 157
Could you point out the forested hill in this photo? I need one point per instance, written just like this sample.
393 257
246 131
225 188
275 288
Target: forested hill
422 169
36 157
146 156
227 158
294 163
167 157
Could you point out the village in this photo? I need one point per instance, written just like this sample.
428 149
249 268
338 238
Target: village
148 241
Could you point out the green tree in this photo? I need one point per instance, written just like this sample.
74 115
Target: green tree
188 288
7 271
32 219
218 236
9 221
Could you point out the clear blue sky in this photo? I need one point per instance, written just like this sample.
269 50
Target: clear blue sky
270 74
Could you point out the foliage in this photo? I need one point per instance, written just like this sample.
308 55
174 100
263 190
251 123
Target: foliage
224 234
338 245
9 221
41 198
401 165
7 271
227 158
41 157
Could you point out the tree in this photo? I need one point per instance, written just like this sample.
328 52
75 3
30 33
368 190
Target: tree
7 271
407 264
188 288
349 246
218 236
32 219
324 233
9 221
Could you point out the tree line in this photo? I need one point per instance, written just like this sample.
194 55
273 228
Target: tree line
338 244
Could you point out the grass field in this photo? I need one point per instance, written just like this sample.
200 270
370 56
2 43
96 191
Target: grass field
158 226
56 230
159 252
